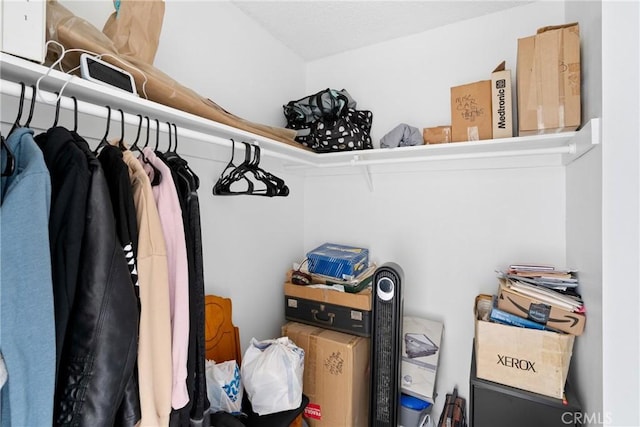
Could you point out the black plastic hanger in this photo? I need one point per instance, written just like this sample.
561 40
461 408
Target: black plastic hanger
121 140
32 107
275 183
157 175
55 118
195 180
169 129
134 146
222 186
274 186
75 114
104 141
157 134
10 166
146 142
16 123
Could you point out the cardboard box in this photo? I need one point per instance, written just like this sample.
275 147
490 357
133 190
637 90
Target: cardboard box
548 80
436 135
339 261
360 300
336 375
328 308
532 308
471 112
528 359
421 343
501 103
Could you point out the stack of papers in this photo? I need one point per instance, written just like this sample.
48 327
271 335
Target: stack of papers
543 275
349 284
547 296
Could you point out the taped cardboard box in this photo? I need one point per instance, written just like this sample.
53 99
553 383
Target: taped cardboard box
436 135
471 112
530 307
548 80
529 359
336 375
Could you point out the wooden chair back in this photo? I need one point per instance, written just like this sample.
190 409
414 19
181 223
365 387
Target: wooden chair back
222 337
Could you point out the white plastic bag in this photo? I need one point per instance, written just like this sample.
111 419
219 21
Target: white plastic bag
272 375
224 386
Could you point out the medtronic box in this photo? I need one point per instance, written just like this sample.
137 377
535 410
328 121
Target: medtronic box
338 260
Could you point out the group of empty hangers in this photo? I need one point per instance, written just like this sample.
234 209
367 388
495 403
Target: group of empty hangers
171 151
248 177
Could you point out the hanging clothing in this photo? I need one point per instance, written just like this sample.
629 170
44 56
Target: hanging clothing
170 213
70 178
27 332
124 211
154 348
117 175
101 341
196 413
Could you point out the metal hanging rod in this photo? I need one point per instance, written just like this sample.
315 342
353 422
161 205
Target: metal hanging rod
15 89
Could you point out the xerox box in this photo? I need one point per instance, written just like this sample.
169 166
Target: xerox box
331 309
529 359
338 261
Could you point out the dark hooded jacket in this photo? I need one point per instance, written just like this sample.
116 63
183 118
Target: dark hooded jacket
100 343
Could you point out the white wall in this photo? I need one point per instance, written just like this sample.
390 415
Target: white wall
408 80
621 211
584 214
224 55
448 229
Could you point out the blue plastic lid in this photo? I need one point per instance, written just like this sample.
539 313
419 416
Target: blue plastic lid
413 402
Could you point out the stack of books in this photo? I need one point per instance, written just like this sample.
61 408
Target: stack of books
539 297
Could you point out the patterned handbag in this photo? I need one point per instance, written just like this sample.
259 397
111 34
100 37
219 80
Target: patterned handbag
328 121
351 131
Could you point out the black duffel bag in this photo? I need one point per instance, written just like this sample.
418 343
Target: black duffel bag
328 121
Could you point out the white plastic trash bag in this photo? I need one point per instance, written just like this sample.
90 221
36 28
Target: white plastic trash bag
272 375
224 386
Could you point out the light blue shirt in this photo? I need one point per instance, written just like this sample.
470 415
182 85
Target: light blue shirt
27 324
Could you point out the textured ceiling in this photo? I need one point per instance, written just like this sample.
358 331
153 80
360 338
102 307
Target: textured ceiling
318 28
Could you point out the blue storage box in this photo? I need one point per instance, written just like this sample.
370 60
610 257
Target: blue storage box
338 260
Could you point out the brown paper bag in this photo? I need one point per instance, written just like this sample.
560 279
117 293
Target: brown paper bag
74 32
135 28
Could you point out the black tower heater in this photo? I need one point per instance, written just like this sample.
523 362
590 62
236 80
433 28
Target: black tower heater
386 345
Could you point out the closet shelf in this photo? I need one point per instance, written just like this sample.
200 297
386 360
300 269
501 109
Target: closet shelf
556 149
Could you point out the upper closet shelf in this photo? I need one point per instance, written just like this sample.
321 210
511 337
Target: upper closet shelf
556 149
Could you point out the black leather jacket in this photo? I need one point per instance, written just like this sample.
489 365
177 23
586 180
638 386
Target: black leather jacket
100 345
